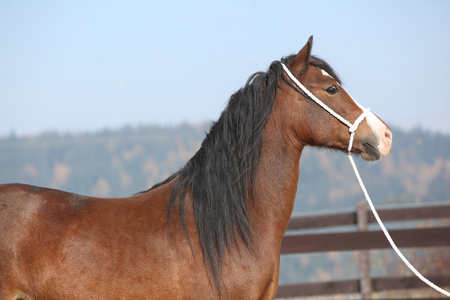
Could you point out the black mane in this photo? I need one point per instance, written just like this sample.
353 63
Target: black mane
220 176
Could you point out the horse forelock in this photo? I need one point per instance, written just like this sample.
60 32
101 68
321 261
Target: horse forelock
319 63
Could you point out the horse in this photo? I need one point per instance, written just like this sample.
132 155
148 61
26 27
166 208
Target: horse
213 229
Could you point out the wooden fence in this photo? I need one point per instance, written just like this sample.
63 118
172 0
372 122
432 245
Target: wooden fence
363 241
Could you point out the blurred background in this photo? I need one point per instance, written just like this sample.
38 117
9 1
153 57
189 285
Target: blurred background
87 65
107 98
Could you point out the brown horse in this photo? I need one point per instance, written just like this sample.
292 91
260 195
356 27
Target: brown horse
213 229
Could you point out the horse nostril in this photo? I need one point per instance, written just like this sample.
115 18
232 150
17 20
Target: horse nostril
388 136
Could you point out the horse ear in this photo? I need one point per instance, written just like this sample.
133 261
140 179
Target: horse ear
301 61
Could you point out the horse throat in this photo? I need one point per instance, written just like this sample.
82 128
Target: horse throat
276 186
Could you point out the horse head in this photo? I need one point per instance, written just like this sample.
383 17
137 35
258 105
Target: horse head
314 125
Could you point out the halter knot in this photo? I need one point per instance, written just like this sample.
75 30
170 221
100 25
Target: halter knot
358 121
353 128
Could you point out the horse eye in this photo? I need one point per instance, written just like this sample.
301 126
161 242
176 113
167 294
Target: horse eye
332 90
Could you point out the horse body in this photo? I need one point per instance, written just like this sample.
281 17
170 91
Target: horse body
169 242
57 245
76 244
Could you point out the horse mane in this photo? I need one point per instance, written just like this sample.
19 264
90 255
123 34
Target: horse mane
221 175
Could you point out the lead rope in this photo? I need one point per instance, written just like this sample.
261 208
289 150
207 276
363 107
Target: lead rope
352 130
388 236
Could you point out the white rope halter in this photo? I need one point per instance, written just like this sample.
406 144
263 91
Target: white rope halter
352 129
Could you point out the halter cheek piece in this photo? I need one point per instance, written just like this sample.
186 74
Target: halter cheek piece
352 129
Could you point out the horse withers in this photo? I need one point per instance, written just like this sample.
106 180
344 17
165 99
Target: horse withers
212 230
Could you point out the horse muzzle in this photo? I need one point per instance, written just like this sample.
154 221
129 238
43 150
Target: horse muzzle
383 136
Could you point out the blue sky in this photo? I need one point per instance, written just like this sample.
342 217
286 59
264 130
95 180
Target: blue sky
87 65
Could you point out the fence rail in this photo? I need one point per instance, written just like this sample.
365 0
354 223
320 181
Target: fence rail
353 286
364 241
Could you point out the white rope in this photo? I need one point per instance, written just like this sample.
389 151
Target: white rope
388 236
352 129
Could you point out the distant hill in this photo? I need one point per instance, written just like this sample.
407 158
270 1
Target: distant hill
122 162
118 163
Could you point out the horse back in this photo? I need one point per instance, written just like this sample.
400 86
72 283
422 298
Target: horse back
47 233
59 245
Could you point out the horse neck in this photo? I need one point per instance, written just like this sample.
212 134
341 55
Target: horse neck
276 181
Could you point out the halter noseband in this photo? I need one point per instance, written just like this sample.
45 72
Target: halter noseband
351 127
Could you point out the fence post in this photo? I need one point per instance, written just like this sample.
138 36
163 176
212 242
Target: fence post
362 217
